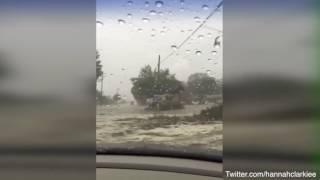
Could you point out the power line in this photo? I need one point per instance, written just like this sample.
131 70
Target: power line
199 27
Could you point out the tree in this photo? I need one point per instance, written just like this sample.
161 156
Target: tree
116 98
200 85
99 71
150 83
99 96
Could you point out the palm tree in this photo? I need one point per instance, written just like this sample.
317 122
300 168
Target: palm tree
99 71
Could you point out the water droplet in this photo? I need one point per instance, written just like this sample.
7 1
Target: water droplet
181 9
210 35
217 43
210 60
129 16
146 4
205 7
188 51
197 19
146 20
139 29
170 13
160 13
129 3
182 2
123 69
159 4
174 47
209 72
152 12
200 36
121 21
162 32
198 53
214 53
100 22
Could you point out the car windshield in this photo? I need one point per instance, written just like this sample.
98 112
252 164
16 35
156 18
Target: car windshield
159 77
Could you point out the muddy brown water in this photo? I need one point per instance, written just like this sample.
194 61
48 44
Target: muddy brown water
120 124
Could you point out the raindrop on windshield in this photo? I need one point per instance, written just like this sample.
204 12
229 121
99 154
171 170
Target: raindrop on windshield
181 9
129 3
174 47
121 21
188 51
146 20
146 4
217 42
160 13
205 7
152 12
198 53
162 32
159 4
214 53
129 16
197 19
200 36
100 22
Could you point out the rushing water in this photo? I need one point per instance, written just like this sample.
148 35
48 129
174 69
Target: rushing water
120 124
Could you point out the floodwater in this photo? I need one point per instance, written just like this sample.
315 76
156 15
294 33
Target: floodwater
121 124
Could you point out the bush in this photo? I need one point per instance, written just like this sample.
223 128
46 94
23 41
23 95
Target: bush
212 113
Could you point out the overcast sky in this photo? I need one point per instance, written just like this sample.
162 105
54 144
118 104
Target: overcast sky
135 32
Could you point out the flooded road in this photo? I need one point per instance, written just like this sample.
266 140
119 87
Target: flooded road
121 124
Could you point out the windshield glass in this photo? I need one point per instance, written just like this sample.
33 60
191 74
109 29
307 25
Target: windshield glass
159 75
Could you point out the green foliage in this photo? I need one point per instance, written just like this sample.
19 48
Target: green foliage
150 83
212 113
201 85
99 71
